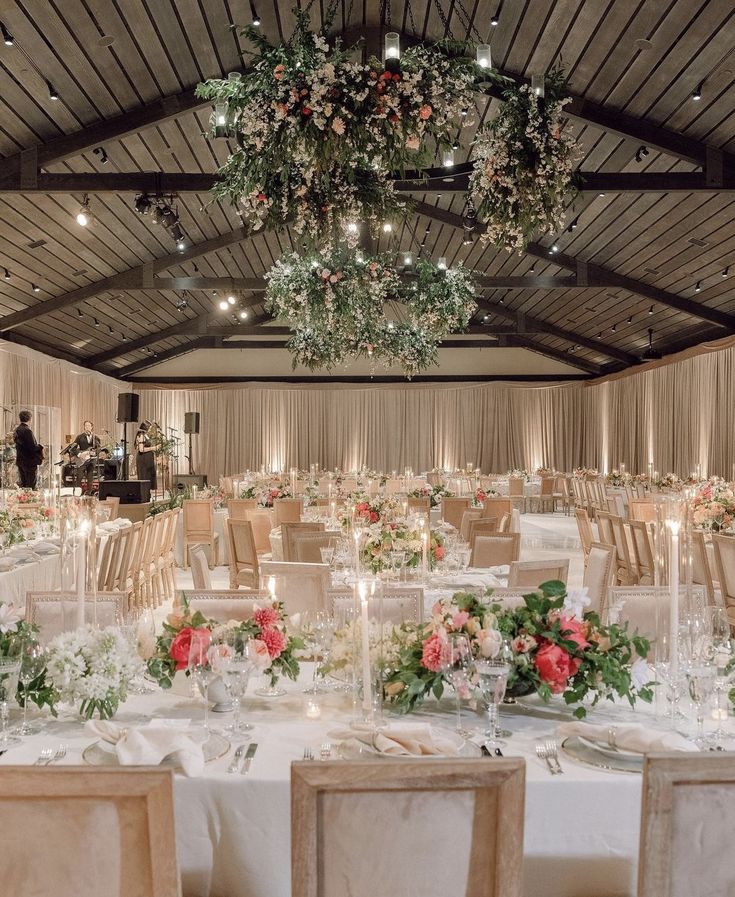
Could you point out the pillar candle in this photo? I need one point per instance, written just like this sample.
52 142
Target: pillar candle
357 535
81 571
367 685
425 554
674 607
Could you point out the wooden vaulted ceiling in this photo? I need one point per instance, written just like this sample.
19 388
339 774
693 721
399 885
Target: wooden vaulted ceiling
649 253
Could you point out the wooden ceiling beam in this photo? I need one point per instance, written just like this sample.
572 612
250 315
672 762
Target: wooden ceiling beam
173 352
595 275
525 342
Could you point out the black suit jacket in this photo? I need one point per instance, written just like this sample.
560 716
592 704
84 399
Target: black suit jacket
27 450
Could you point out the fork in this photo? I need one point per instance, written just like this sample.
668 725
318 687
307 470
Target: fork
325 751
59 755
542 754
44 757
553 751
308 753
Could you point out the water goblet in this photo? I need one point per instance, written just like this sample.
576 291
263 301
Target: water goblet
457 666
493 679
327 554
701 680
233 659
200 669
32 664
9 670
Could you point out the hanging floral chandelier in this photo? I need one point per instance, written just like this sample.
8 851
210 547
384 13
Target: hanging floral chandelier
342 305
320 135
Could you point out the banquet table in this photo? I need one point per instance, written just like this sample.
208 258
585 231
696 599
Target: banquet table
233 835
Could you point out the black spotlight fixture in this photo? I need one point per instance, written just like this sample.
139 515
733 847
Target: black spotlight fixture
7 274
142 204
650 310
255 18
35 288
8 38
53 93
697 93
726 272
101 152
651 354
698 287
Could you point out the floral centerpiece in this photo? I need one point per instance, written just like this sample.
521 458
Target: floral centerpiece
434 493
362 510
92 667
274 651
14 629
618 478
518 473
267 496
670 481
557 648
713 507
320 134
480 496
23 496
380 540
214 493
524 160
586 473
11 532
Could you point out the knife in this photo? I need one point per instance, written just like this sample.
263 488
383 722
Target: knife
252 748
236 759
485 751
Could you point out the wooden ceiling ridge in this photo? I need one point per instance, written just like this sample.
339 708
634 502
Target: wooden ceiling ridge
588 274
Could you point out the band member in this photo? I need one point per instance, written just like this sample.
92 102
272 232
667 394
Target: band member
145 457
87 446
28 453
108 465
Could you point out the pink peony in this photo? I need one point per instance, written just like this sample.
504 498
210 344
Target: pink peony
555 666
459 619
574 631
275 642
425 112
434 654
181 645
266 617
258 653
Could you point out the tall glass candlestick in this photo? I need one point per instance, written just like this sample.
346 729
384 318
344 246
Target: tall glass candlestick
673 526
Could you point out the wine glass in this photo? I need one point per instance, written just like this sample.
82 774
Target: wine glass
232 659
9 670
493 677
327 554
721 653
701 680
200 669
457 664
32 664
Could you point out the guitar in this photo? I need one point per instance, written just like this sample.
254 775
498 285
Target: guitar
81 459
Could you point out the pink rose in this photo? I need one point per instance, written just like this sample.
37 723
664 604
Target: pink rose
459 619
181 645
554 666
434 654
574 631
279 71
439 552
425 112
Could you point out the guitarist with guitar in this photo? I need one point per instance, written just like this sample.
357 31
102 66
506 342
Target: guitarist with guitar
28 453
86 445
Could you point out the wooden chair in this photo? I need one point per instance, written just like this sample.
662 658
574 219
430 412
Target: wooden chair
584 526
509 598
301 587
724 549
497 506
199 528
244 567
452 510
290 530
306 546
533 573
642 510
104 831
238 506
55 612
169 567
469 515
226 604
200 569
107 548
702 567
287 510
546 498
262 522
627 569
599 574
517 492
495 550
603 519
400 604
687 811
483 526
562 494
642 551
341 823
127 580
418 505
113 503
645 608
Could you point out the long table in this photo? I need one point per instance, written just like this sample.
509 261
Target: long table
233 831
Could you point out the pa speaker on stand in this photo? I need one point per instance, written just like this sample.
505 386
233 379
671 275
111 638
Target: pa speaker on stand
191 428
127 412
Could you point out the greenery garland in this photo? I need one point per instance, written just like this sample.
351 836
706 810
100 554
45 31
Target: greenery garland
523 165
320 135
335 304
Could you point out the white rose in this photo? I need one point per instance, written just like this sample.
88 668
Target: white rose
491 644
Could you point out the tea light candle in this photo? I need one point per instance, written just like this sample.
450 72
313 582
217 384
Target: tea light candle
313 710
194 492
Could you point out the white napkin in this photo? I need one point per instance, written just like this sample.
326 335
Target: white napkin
631 737
7 563
149 745
407 739
45 548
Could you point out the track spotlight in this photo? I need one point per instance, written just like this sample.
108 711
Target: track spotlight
142 204
243 314
698 287
7 274
468 239
697 94
726 272
442 264
223 306
181 245
96 322
641 153
125 338
35 288
614 328
110 330
231 300
8 38
630 319
84 215
650 310
254 15
102 153
574 225
79 313
650 352
53 93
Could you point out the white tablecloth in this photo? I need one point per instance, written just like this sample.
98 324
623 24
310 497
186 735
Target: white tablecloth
38 576
581 831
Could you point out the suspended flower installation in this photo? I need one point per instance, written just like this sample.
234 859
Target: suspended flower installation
319 134
335 304
524 161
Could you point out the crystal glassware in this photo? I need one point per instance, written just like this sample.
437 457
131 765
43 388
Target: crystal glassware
9 670
199 668
233 660
32 664
457 667
701 679
493 680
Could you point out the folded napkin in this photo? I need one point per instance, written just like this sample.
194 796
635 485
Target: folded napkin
45 548
149 745
407 740
632 737
7 563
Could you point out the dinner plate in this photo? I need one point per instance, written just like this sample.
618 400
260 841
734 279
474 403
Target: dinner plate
102 753
609 750
352 749
591 754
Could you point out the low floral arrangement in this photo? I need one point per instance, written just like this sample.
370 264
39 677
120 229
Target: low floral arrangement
11 532
269 494
92 667
481 496
524 160
13 630
23 496
557 648
362 510
618 478
434 493
380 540
335 301
670 481
586 473
518 473
319 134
216 494
275 647
713 507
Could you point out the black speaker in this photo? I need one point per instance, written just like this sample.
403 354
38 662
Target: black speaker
127 407
191 422
187 480
130 492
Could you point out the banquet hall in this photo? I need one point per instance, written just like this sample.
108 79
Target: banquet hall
367 475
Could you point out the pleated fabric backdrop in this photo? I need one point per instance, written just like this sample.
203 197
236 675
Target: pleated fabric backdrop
676 416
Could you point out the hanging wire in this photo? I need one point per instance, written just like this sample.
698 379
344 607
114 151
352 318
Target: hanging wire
469 22
409 10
